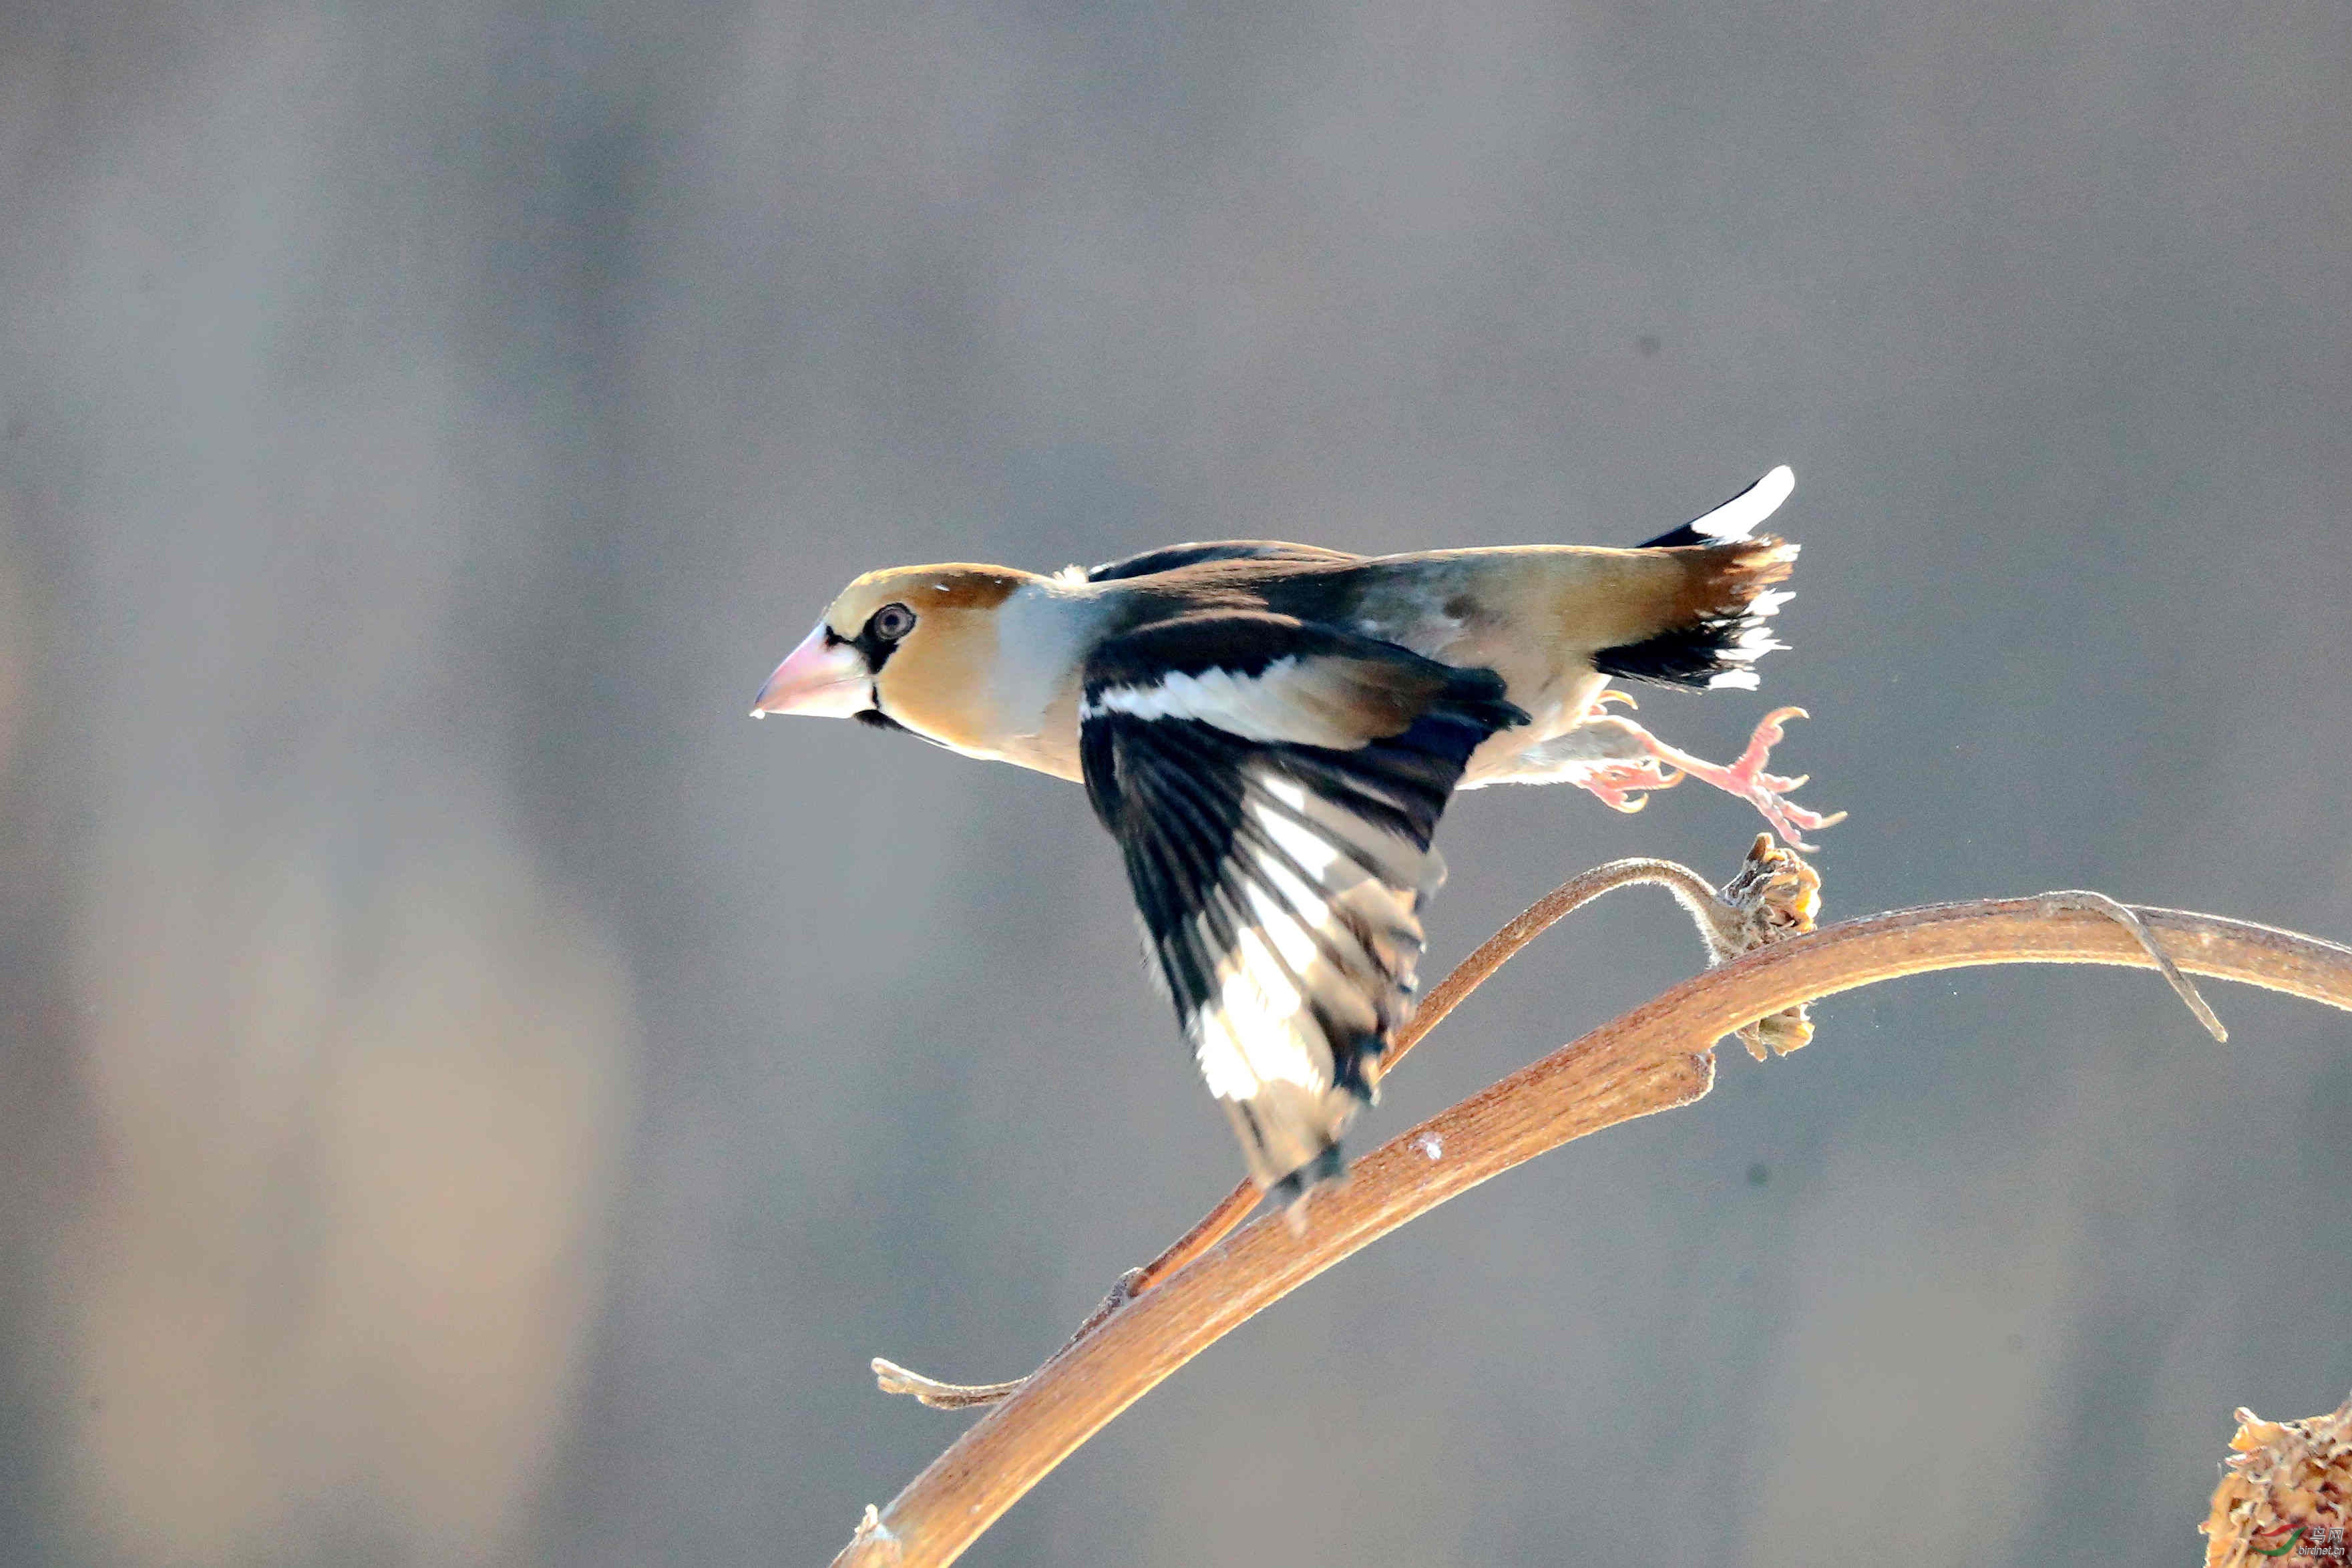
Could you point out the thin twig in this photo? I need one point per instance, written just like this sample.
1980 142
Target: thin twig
2122 914
1652 1058
892 1378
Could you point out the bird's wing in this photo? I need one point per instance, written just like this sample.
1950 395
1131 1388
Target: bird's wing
1273 786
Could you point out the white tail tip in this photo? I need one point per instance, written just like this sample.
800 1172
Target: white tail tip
1738 516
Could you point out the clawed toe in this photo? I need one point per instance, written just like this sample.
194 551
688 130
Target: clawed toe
1625 786
1746 779
1620 764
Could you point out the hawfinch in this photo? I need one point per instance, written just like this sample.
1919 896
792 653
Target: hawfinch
1272 730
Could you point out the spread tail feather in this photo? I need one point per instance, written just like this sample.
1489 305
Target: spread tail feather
1735 518
1714 627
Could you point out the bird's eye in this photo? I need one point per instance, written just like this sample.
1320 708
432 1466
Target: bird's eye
892 622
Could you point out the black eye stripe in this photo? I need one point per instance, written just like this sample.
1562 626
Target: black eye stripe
871 641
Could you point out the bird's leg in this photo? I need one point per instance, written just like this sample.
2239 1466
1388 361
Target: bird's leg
1746 778
1623 781
1626 787
1610 756
1603 754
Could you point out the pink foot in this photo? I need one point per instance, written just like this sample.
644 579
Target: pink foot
1613 781
1623 785
1746 778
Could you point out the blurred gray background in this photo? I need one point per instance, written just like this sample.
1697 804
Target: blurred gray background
469 1095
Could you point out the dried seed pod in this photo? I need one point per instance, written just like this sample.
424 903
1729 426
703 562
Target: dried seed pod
2285 1495
1782 897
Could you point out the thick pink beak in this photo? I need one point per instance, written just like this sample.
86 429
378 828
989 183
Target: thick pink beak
823 679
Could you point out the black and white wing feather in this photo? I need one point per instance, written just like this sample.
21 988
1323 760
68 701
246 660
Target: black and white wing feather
1273 786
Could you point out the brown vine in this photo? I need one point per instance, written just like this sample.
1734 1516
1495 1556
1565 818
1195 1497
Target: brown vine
1655 1057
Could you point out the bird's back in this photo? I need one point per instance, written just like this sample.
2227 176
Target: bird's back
1536 614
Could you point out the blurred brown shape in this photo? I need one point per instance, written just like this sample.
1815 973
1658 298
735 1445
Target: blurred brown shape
334 1276
2285 1494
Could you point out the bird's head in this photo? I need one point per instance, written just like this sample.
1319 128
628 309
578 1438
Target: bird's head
911 647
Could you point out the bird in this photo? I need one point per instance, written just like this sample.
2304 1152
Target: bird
1271 731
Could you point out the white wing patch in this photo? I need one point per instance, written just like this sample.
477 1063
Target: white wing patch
1250 1035
1738 516
1293 701
1313 852
1322 908
1245 705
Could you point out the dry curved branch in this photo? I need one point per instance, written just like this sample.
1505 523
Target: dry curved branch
1656 1057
